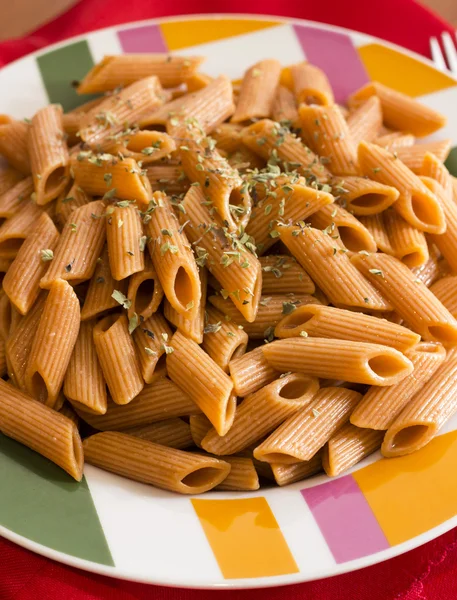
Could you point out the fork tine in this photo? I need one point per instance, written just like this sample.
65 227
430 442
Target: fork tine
451 51
437 55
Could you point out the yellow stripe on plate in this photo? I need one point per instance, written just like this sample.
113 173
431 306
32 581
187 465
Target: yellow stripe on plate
183 34
412 494
245 538
401 72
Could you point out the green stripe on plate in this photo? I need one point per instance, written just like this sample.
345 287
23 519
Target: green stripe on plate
60 68
42 503
451 162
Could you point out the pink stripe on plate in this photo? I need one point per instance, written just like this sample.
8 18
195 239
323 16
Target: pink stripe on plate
148 38
345 519
336 55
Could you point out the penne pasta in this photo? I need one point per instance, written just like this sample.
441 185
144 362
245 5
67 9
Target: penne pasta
287 474
305 432
169 179
251 372
380 406
271 311
222 185
68 411
199 427
118 359
147 462
261 412
410 298
327 134
433 168
19 343
9 177
408 243
376 226
416 203
17 228
150 338
362 196
413 156
281 274
108 176
99 297
284 107
145 291
400 111
330 268
71 124
22 281
48 151
113 72
79 246
242 477
16 197
231 262
42 429
266 136
422 418
433 269
365 121
211 389
68 201
228 137
172 258
359 362
84 381
258 90
209 106
444 289
348 446
53 344
311 85
190 327
223 341
14 145
126 244
5 315
319 321
120 111
352 234
286 201
173 433
159 401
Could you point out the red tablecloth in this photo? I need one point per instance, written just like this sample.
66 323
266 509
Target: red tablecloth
427 573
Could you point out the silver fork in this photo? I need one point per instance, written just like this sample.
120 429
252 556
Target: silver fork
450 52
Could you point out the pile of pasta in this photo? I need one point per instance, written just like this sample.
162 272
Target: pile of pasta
205 283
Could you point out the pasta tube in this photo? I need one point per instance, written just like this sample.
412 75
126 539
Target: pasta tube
413 156
232 264
281 274
284 106
223 341
122 70
411 299
261 412
84 381
319 321
42 429
22 281
150 339
172 258
166 468
48 151
158 401
327 133
428 411
118 359
416 203
14 145
444 289
173 433
362 196
365 121
145 291
380 406
311 85
330 268
79 246
348 446
17 228
251 372
15 198
53 344
126 245
306 431
287 474
401 111
258 90
211 389
408 243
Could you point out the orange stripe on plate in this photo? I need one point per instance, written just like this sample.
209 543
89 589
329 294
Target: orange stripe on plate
412 494
245 538
182 34
402 72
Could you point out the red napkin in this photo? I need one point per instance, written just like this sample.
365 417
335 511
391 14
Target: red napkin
427 573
